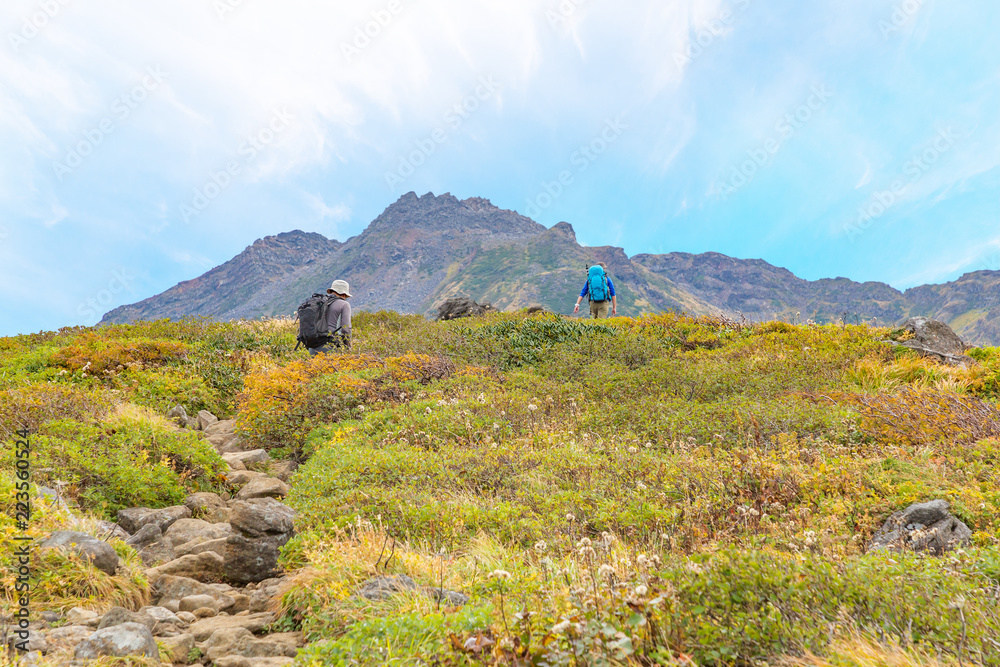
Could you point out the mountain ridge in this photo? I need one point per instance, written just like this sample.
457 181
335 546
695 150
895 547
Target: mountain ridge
424 249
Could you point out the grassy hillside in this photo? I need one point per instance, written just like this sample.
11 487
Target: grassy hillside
656 490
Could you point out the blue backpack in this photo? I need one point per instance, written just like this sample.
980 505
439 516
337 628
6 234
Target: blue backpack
597 283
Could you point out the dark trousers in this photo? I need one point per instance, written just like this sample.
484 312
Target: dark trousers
337 343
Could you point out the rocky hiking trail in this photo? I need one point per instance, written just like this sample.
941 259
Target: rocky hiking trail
212 565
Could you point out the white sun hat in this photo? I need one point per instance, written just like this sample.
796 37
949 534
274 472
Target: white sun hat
340 287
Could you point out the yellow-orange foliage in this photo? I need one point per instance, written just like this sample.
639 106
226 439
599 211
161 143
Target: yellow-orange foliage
280 405
98 356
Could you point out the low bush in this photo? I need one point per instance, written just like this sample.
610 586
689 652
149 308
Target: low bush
281 405
131 459
94 355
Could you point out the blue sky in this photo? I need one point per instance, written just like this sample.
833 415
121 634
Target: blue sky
144 143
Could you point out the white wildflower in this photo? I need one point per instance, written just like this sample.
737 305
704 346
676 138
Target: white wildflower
641 486
503 575
570 518
584 542
641 590
541 547
605 570
532 407
428 409
561 627
633 450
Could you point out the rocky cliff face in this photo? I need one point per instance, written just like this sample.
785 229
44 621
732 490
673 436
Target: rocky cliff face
971 305
235 285
422 250
762 291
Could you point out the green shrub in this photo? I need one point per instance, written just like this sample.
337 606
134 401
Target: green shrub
128 460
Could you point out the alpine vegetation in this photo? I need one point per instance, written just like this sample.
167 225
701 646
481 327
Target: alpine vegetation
504 489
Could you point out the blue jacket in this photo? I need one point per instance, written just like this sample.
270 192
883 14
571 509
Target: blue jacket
586 288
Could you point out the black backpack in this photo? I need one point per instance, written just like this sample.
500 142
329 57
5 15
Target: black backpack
312 321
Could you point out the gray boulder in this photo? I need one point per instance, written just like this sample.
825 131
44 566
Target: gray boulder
186 530
252 457
260 517
179 647
206 627
108 531
223 436
206 419
120 615
242 477
152 546
263 487
207 506
135 518
926 527
252 559
461 306
261 527
100 554
161 615
206 566
178 414
934 339
169 587
119 641
223 427
445 596
382 588
201 545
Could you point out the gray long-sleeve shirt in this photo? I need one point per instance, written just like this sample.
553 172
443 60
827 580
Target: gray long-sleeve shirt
339 315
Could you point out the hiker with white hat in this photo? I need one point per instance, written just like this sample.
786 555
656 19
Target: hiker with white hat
325 320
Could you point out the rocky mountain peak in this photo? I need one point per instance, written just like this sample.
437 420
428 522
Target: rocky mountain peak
446 213
565 229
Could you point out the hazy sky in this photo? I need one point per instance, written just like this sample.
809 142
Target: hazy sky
146 142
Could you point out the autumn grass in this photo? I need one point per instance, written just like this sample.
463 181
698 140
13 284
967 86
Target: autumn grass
656 490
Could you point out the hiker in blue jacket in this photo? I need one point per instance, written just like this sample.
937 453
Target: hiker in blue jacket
601 291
